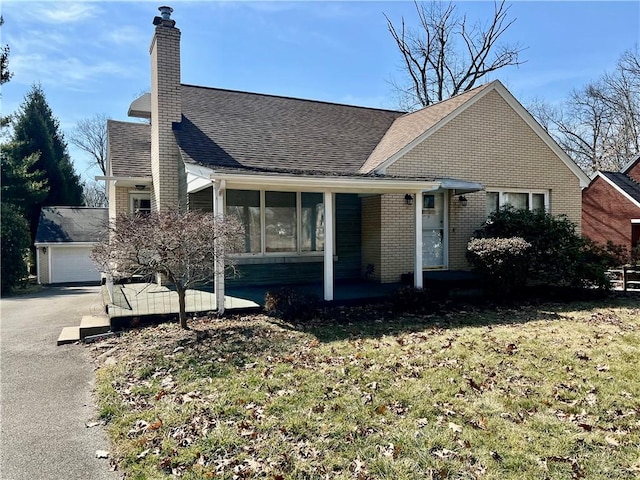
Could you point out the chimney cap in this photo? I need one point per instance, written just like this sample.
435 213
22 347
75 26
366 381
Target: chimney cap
165 18
166 12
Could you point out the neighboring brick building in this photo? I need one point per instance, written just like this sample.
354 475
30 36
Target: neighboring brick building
329 191
611 206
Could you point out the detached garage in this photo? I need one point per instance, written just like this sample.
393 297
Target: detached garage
64 241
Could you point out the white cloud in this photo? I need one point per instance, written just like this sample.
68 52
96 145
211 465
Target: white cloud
128 35
54 12
69 72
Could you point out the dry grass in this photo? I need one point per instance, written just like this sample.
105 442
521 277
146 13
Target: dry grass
531 393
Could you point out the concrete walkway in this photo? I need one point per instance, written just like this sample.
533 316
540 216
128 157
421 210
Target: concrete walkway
46 391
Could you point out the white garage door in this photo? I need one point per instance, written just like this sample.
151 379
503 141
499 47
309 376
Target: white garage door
72 264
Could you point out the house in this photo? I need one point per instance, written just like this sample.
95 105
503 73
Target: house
64 241
331 192
611 206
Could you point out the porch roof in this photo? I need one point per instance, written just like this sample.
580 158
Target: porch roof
199 177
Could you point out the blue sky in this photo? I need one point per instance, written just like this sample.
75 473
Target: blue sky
92 56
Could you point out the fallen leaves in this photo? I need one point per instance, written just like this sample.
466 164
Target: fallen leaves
249 399
455 427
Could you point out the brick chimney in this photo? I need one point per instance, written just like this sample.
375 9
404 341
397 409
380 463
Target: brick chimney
166 109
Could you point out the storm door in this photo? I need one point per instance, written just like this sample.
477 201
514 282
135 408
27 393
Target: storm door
434 235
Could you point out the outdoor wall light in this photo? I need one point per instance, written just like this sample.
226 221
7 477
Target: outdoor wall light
44 250
408 199
463 200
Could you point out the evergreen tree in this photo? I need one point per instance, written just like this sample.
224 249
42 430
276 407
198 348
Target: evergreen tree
37 132
20 184
5 74
15 243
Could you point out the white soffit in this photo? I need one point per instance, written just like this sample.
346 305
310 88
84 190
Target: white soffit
141 107
198 177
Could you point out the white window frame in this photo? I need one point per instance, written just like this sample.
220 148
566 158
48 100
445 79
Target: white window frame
501 194
263 229
133 194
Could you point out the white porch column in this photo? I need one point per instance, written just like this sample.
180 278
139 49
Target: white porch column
328 246
218 272
417 275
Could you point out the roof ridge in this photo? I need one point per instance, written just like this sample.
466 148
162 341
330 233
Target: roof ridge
285 97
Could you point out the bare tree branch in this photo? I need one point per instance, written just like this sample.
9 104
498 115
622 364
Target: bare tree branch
94 194
599 125
437 68
90 135
183 247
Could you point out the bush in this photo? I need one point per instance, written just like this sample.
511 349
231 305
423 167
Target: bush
290 304
15 244
411 299
558 256
504 262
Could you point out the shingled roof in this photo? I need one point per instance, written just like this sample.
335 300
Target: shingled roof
409 127
625 183
129 148
71 224
240 130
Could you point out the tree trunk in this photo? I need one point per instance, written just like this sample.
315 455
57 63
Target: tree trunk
183 308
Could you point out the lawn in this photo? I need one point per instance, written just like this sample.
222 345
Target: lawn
546 391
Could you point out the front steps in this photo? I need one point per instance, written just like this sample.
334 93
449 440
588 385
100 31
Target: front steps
89 325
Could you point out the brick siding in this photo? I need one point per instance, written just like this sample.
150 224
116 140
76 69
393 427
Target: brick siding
488 143
166 108
607 214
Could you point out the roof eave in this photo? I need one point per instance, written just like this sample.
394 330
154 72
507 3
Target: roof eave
342 184
124 181
618 189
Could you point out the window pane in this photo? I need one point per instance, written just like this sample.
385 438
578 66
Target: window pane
245 205
280 222
141 203
537 201
312 214
428 201
493 202
517 200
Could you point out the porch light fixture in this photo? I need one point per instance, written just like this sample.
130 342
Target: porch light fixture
139 187
408 199
463 200
44 250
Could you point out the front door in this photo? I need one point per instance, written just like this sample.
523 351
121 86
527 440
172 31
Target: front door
434 211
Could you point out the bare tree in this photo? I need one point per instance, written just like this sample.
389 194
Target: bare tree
90 135
94 194
598 125
446 56
185 248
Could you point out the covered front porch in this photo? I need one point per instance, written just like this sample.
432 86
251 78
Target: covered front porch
305 228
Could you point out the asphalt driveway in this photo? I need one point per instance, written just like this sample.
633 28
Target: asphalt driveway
46 391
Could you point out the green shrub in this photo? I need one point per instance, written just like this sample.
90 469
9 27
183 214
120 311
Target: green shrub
290 304
558 256
504 262
15 244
